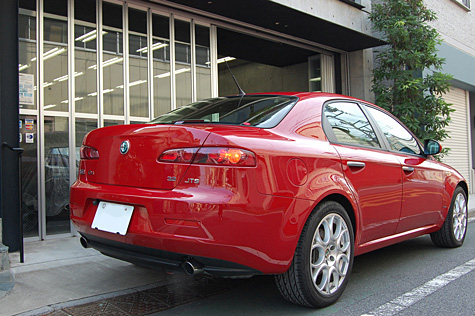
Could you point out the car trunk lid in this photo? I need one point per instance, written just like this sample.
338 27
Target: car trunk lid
138 166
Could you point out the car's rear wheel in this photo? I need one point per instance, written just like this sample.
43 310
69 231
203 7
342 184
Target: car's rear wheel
323 259
453 231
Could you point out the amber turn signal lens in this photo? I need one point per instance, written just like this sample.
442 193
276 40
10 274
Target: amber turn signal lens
235 156
225 157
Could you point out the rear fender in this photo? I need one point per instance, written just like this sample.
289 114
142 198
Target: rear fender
340 193
452 180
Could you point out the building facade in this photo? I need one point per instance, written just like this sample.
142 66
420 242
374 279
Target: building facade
456 24
92 63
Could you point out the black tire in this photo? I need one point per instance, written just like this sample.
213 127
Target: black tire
296 284
453 231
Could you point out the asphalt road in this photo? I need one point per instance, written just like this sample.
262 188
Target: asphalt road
410 278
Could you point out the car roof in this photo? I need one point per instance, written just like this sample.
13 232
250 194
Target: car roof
310 95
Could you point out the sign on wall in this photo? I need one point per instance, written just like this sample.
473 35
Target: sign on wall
27 94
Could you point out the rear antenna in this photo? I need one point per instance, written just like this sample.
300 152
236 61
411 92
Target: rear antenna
241 91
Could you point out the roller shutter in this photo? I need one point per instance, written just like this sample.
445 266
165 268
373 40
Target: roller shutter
459 141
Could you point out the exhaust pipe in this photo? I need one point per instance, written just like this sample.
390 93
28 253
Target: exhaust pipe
192 267
84 242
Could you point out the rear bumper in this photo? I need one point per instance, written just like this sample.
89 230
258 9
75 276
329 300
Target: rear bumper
155 258
231 233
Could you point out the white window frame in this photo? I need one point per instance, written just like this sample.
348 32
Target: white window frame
463 3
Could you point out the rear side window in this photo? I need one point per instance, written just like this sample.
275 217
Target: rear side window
397 135
349 124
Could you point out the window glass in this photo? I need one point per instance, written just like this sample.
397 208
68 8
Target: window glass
55 31
263 111
138 65
466 3
27 56
85 38
203 63
112 15
113 61
161 64
182 64
56 72
112 122
27 27
83 126
398 137
56 155
85 10
55 56
56 7
315 73
28 4
350 125
112 41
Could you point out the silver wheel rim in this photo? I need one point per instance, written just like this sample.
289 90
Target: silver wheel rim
459 217
330 254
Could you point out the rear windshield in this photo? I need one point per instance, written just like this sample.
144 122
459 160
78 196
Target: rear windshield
262 111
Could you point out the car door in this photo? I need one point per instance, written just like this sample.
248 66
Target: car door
371 170
423 181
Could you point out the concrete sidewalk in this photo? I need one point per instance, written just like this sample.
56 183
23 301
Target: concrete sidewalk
58 273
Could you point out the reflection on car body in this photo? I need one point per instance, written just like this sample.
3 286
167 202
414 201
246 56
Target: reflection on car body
291 184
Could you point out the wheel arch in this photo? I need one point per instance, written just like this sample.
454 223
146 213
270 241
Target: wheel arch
346 205
464 186
450 193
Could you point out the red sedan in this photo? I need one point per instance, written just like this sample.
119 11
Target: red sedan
291 184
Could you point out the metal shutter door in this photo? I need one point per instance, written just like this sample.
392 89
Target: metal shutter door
458 129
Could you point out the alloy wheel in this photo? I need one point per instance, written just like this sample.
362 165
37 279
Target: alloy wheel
460 217
330 254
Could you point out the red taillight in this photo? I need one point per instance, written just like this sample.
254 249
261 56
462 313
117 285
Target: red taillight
89 153
210 156
225 156
183 155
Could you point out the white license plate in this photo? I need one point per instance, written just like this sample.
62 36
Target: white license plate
113 218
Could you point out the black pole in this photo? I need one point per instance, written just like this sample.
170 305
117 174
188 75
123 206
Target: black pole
9 128
19 151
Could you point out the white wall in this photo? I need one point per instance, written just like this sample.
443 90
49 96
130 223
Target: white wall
455 23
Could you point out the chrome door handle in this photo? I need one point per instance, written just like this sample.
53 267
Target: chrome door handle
355 164
408 169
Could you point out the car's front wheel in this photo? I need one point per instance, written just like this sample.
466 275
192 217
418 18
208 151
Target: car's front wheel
453 231
323 259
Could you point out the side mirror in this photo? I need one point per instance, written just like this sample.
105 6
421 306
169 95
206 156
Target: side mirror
432 147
